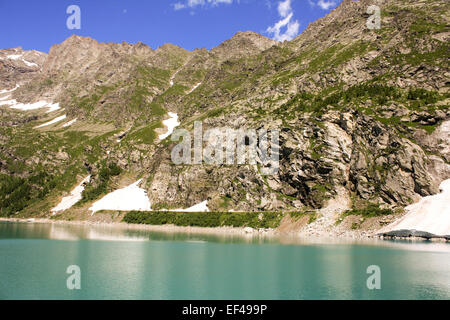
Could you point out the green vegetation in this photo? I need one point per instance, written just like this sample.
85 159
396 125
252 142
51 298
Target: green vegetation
369 98
88 103
423 25
17 193
145 135
318 104
93 192
150 76
336 55
422 96
206 219
213 113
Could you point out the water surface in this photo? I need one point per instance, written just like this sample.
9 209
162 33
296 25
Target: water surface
118 263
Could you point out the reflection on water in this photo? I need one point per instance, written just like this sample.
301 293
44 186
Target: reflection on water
124 263
73 232
105 232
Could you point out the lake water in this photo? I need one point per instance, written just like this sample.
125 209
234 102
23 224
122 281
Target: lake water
118 263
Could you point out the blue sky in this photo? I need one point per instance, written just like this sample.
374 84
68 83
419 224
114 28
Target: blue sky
188 23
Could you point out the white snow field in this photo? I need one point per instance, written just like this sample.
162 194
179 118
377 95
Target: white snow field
430 214
14 56
58 119
72 199
24 106
68 124
29 106
126 199
201 207
171 124
13 104
9 103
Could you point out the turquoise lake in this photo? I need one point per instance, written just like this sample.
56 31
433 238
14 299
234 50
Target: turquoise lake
120 263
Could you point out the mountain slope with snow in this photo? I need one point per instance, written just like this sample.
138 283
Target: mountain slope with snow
362 117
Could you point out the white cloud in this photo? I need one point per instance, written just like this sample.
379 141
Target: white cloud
179 6
284 8
323 4
291 27
194 3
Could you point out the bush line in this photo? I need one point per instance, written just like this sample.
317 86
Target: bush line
256 220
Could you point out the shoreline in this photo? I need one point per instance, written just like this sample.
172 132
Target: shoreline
218 231
332 236
147 227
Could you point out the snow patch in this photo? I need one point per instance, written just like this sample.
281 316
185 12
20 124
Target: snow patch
72 199
431 214
195 87
201 207
30 106
19 56
30 64
14 56
68 124
171 124
173 77
58 119
53 107
8 102
7 91
126 199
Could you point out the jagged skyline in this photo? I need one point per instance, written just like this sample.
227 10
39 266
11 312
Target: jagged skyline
188 24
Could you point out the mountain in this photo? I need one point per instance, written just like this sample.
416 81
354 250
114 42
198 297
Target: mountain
363 117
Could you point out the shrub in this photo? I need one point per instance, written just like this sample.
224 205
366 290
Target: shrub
206 219
425 96
92 192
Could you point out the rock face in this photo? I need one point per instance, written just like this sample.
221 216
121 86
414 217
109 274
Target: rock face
18 66
362 115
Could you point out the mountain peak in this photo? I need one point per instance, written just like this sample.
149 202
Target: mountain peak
78 39
170 47
257 39
243 43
